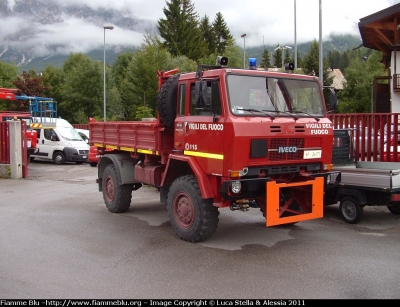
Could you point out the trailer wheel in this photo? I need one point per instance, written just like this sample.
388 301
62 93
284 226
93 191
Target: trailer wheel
116 197
351 211
394 209
59 158
166 101
193 218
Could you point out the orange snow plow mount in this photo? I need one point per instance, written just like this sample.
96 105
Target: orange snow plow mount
294 202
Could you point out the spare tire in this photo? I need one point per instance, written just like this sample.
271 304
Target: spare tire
166 101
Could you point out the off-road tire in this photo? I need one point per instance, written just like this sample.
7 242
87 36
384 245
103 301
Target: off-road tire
116 197
394 209
166 101
193 218
351 211
59 158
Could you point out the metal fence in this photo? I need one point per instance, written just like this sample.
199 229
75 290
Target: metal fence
375 136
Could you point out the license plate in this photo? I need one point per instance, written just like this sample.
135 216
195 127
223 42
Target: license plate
312 154
84 157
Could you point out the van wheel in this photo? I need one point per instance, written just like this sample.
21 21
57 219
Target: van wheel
166 101
351 211
59 158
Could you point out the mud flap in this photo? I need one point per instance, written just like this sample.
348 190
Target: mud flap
294 202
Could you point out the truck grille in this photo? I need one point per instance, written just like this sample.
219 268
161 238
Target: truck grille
83 152
299 143
275 144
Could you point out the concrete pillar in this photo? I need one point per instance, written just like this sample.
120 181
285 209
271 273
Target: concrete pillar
15 149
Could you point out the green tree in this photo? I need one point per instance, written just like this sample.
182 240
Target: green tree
207 30
222 34
277 56
82 92
140 77
53 78
180 30
119 71
356 94
8 72
266 59
288 57
233 52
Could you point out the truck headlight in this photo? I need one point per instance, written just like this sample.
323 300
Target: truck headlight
236 187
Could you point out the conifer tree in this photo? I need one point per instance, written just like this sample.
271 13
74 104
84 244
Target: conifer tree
222 33
266 59
180 29
207 31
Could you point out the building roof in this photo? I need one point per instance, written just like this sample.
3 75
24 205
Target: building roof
379 30
338 80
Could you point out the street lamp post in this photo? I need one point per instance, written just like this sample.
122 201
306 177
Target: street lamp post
282 48
105 28
244 49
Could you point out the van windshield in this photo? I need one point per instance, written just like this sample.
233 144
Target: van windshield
266 96
69 134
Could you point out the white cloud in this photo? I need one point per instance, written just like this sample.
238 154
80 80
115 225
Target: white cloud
264 21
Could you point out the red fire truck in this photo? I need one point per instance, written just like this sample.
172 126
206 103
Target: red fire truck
223 137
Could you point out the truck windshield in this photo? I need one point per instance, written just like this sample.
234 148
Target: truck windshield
271 96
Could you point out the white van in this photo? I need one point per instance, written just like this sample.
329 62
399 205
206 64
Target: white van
58 141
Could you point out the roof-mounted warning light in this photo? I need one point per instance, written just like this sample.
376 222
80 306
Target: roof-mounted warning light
252 63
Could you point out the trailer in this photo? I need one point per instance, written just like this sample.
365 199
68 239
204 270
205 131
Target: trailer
361 183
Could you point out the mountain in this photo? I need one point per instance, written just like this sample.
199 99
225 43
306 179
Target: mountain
37 33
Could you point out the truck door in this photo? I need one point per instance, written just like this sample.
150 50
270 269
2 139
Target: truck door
199 127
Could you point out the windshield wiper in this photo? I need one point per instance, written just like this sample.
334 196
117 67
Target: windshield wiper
302 112
283 112
257 111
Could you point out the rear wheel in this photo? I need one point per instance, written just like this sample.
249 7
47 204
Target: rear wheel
116 197
59 158
394 209
351 211
93 164
193 218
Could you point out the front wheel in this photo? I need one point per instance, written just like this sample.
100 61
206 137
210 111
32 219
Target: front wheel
193 218
116 197
394 209
59 158
351 211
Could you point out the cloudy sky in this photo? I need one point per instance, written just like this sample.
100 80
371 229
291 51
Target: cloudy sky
266 22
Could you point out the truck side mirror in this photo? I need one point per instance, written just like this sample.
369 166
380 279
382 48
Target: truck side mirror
200 93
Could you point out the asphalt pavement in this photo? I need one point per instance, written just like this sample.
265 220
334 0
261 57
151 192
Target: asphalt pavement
58 240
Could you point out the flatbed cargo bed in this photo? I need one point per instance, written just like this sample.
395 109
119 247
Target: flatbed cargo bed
372 175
